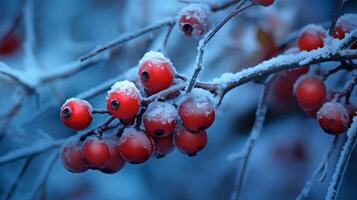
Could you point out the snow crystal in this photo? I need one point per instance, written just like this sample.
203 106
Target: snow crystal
198 11
139 136
74 99
200 104
331 108
162 111
125 86
348 22
155 57
313 29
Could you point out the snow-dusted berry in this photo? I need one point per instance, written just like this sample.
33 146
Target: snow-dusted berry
310 92
190 143
194 20
196 113
71 157
156 72
95 153
311 37
333 118
123 100
163 145
135 146
160 119
263 2
9 44
76 113
116 162
345 24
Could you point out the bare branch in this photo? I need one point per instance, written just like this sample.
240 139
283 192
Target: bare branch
336 14
342 162
320 173
29 44
127 37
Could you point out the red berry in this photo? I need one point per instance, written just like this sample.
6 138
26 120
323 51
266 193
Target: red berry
311 37
116 162
310 92
95 153
190 143
71 157
264 2
9 44
345 24
163 145
156 72
194 20
197 113
160 119
333 118
135 146
123 100
76 113
282 86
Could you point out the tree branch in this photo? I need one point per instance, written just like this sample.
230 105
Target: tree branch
336 15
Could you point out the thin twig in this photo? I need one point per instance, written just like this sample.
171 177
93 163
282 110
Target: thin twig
343 160
30 39
320 173
254 135
336 15
203 42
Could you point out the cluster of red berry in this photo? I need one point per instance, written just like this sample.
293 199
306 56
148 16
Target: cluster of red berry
310 91
160 131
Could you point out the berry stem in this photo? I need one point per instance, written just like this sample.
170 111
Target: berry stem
99 111
336 15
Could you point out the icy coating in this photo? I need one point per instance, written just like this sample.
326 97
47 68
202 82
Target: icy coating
140 137
313 29
161 111
348 22
198 104
200 12
155 57
73 99
125 87
331 108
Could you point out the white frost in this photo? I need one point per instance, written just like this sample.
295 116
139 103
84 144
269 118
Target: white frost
126 87
162 111
155 57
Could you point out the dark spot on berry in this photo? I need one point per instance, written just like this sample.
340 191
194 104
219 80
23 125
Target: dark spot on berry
159 156
202 128
66 112
188 29
115 104
192 154
159 132
145 75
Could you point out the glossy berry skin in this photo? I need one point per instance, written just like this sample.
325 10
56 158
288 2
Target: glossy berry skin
310 92
333 118
71 157
312 37
123 100
76 114
160 119
135 146
263 2
9 44
194 20
156 72
95 153
163 145
190 143
196 113
116 162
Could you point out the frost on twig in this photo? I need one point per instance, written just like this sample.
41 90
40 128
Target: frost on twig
342 162
320 173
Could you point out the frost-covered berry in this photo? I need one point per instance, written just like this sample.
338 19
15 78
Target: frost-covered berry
76 113
311 37
190 143
95 153
156 72
9 44
71 157
345 24
263 2
135 146
196 113
160 119
310 92
194 20
163 145
123 100
333 118
116 162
